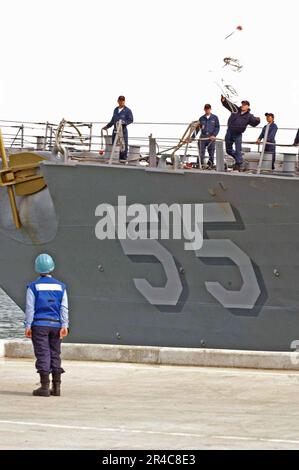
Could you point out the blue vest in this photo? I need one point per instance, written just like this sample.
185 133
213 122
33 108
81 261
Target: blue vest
48 293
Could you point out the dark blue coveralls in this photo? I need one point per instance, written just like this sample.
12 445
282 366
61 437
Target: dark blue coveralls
271 138
237 124
209 127
126 116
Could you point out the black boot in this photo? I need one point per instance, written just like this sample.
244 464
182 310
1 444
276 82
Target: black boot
43 390
56 381
238 167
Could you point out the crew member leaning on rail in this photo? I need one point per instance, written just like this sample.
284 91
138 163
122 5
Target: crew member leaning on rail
125 115
210 127
238 121
270 147
46 323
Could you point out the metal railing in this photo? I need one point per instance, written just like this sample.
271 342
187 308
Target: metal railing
41 136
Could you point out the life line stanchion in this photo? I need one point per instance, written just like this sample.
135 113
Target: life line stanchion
102 150
118 140
259 167
220 160
198 152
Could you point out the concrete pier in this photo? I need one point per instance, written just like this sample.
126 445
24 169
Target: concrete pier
162 355
133 397
142 406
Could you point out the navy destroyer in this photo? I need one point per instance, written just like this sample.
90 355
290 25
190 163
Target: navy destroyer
238 290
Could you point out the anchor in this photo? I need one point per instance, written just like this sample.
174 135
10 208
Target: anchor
20 176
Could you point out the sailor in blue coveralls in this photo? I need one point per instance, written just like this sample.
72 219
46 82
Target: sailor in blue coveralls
210 127
271 137
124 114
46 323
238 121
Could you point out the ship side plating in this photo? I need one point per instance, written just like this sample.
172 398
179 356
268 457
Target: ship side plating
238 291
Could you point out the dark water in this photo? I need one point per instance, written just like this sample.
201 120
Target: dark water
11 318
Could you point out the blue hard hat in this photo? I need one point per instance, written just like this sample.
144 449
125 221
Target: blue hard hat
44 264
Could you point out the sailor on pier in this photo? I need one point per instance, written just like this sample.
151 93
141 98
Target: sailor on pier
46 323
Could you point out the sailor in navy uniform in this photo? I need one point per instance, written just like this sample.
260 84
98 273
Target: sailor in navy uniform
210 127
270 146
124 114
46 323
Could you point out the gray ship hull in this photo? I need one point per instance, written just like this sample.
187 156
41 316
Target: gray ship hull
240 291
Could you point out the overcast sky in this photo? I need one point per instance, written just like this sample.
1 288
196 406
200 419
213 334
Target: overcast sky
72 59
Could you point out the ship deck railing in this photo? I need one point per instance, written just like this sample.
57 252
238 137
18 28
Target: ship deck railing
41 136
